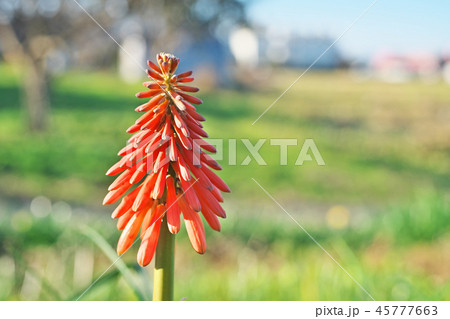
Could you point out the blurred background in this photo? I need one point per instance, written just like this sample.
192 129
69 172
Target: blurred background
377 105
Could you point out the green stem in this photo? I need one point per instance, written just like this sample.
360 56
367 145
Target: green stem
164 265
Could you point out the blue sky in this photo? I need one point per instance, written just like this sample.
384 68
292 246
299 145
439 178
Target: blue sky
398 26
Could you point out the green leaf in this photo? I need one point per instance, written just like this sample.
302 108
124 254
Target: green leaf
109 251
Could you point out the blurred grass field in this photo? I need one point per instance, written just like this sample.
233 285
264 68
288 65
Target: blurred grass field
380 205
380 142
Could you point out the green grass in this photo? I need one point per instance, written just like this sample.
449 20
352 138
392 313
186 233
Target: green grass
380 142
398 254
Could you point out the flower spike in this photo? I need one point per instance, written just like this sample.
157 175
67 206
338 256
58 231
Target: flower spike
163 171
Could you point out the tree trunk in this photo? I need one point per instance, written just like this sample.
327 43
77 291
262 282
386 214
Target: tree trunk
36 96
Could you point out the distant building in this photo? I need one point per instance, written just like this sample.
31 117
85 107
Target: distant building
250 49
303 51
209 58
399 68
130 66
244 45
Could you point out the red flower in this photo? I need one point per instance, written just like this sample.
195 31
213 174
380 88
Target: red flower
165 167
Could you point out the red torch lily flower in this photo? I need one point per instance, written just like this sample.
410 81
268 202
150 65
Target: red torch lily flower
164 167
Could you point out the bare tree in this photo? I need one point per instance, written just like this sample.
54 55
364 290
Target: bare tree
30 32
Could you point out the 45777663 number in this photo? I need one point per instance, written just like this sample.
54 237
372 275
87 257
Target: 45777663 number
407 310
